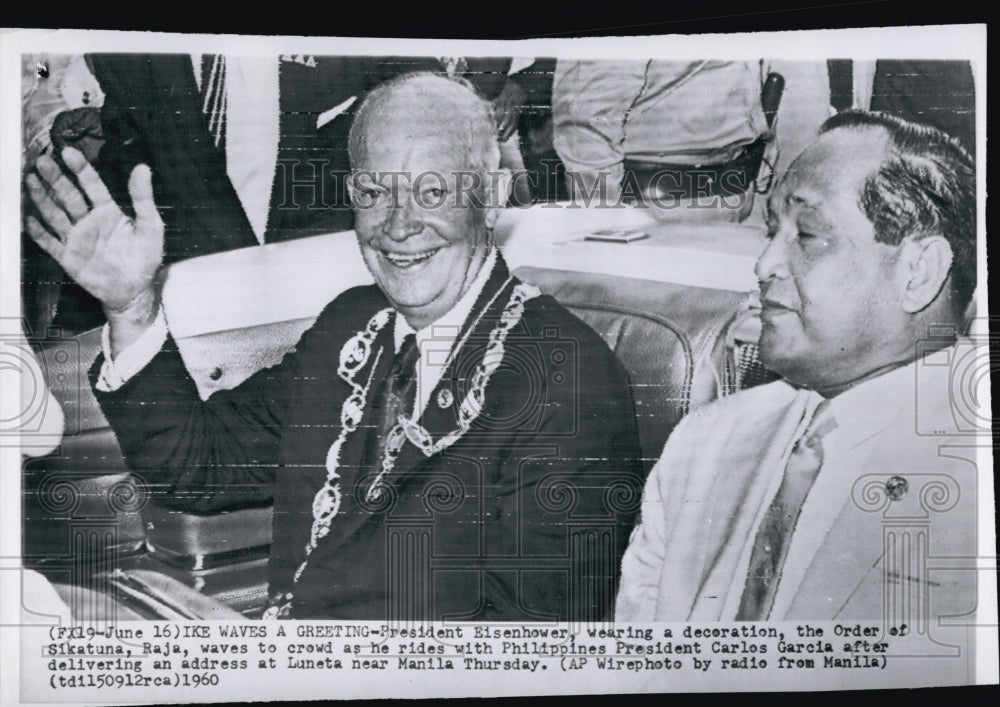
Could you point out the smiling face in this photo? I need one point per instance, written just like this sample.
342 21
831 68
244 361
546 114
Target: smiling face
423 231
831 294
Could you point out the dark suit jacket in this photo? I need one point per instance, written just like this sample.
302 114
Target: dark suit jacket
936 92
523 518
152 113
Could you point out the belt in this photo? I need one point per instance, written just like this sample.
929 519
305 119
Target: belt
688 181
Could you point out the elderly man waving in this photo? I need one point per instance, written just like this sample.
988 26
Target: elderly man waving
439 445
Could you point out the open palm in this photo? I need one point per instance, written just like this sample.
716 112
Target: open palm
113 257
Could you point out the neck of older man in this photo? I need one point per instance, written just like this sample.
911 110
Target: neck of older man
920 334
907 355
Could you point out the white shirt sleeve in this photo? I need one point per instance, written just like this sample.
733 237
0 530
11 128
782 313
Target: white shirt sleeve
115 373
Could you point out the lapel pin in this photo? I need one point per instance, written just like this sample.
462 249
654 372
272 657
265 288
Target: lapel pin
896 487
445 398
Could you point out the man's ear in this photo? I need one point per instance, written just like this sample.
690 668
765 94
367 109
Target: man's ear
496 193
926 263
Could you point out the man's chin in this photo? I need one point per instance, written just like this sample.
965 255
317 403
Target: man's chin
408 289
409 302
793 366
774 352
418 310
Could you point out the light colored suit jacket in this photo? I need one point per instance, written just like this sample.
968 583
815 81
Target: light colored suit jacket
859 551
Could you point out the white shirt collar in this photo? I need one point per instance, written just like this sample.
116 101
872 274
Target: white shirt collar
868 407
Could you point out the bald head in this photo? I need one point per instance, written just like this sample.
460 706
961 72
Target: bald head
427 191
425 107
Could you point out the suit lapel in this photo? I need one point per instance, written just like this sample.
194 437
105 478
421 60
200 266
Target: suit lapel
195 168
850 561
744 484
357 472
184 119
849 554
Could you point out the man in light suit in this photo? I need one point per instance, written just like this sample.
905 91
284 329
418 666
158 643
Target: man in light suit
446 443
833 493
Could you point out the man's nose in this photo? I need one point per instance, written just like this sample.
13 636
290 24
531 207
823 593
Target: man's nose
402 221
773 262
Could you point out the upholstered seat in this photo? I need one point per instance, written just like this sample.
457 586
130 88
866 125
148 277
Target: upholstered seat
670 338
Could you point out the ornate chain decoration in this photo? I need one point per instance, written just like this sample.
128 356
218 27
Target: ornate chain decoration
353 357
472 405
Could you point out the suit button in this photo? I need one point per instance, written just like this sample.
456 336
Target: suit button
445 398
215 374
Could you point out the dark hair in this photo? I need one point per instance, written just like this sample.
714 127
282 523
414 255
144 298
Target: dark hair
926 184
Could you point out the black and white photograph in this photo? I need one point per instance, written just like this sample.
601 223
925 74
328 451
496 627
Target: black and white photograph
476 368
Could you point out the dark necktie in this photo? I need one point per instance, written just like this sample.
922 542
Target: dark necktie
771 545
214 103
398 392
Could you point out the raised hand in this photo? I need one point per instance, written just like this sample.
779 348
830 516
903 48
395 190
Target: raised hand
113 257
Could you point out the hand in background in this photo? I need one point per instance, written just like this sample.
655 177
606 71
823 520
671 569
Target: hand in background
507 108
